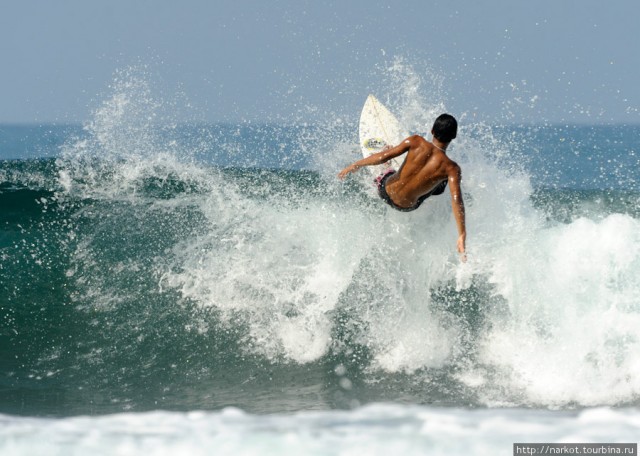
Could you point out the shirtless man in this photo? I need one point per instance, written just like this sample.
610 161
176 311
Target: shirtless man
425 172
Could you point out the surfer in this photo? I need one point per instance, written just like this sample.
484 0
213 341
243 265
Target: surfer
425 172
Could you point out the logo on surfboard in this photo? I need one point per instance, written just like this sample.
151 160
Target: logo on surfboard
374 143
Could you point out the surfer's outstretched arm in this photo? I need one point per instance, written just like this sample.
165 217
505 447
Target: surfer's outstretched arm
377 158
457 204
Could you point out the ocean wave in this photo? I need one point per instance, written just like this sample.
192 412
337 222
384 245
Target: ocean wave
135 276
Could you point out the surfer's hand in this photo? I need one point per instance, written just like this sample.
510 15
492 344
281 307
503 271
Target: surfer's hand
349 169
461 247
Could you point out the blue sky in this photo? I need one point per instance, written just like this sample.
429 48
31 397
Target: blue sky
499 60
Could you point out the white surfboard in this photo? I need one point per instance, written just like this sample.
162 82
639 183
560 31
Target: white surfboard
380 129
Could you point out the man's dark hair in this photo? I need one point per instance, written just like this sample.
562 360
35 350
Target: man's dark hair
445 128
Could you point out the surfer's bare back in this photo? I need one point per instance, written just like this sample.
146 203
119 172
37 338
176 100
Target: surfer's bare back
425 171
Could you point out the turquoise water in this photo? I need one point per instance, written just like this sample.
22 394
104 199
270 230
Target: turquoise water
155 275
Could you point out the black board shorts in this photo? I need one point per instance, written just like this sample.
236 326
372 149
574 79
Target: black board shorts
382 191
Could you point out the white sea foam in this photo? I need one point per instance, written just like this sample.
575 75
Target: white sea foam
570 333
371 430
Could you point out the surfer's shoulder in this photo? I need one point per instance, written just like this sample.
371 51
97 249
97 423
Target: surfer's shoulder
453 169
415 140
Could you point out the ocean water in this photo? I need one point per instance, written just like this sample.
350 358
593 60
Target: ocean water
214 289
